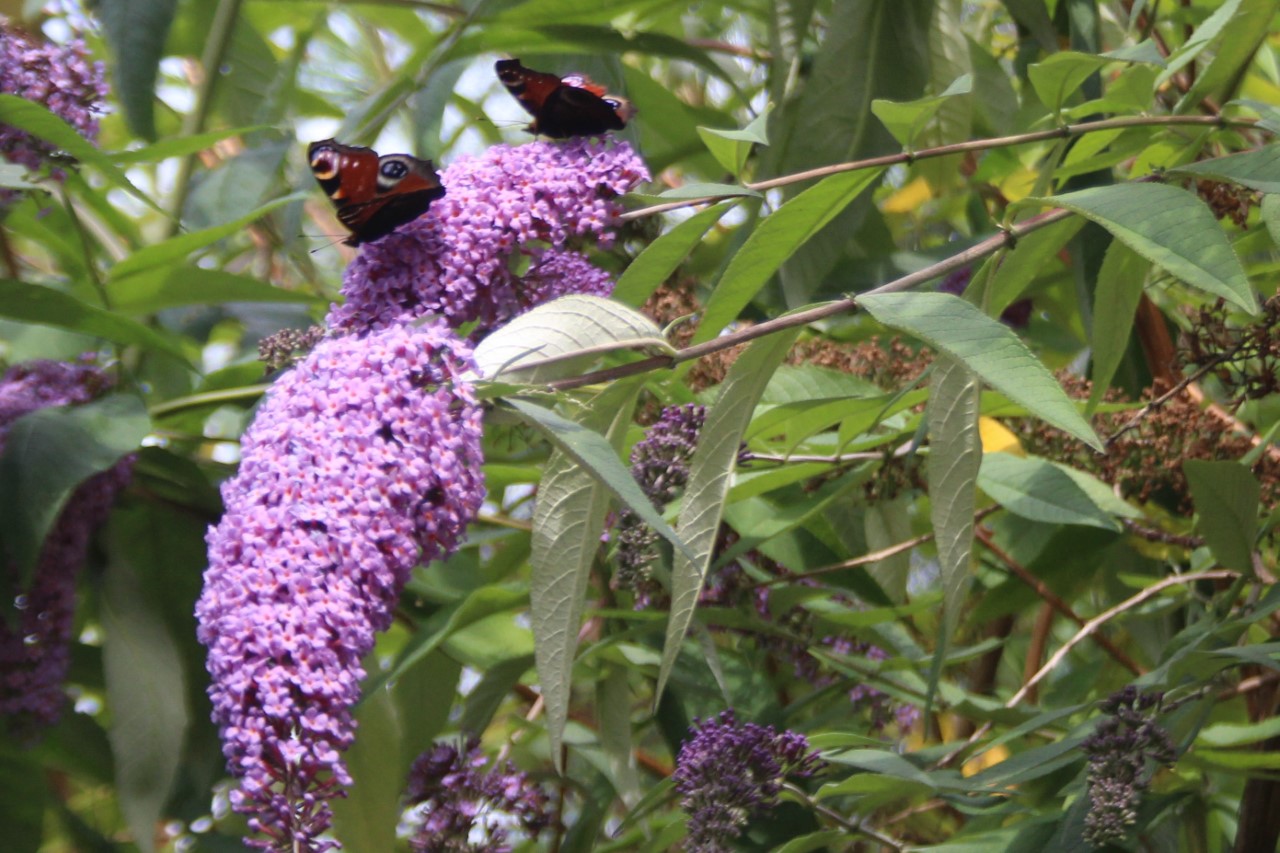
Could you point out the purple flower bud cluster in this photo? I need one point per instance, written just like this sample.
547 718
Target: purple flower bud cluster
660 464
1124 747
60 77
730 772
456 805
35 647
363 462
507 207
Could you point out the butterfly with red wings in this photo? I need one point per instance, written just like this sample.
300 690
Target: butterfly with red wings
373 195
563 107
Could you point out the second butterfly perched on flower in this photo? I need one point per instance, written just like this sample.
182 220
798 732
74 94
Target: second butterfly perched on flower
374 195
563 106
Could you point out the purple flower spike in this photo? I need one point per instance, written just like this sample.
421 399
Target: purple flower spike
456 805
457 259
59 77
35 650
729 772
363 462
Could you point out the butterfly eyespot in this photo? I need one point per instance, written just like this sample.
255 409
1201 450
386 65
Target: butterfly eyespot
394 169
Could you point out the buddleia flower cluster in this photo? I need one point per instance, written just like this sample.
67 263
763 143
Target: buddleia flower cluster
457 803
35 642
1123 750
729 772
500 241
660 465
363 462
60 77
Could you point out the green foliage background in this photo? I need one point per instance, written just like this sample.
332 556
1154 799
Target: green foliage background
1030 587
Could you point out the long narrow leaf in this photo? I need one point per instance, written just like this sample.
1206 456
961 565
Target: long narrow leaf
710 475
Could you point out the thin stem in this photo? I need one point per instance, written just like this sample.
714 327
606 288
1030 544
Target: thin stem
1065 131
1007 238
856 827
210 398
215 50
1177 389
1089 628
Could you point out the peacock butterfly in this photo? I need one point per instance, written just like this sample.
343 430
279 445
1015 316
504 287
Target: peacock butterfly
563 107
373 195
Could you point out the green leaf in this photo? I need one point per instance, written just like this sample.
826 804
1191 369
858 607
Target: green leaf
423 695
955 455
171 287
145 689
136 31
1271 216
1239 734
710 475
1171 228
1210 28
1061 75
1038 490
987 347
774 240
48 453
907 119
1226 499
590 450
495 686
661 257
22 800
568 518
38 121
45 306
732 147
365 819
1246 28
1116 298
178 248
558 338
1257 169
700 190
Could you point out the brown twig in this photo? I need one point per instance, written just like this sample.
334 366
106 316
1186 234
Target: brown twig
1089 628
1051 598
1007 238
1151 534
1065 131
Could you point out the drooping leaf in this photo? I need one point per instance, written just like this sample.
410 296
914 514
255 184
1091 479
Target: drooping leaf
145 686
731 147
45 306
554 338
908 119
1171 228
568 520
774 240
178 248
1116 298
136 31
1027 259
1061 75
48 453
38 121
710 474
955 456
1226 499
590 450
985 346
